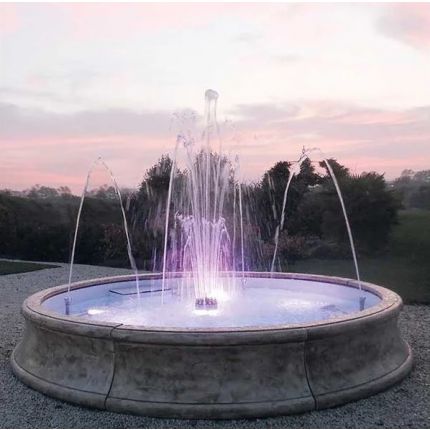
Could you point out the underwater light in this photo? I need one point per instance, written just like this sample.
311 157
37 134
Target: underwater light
95 311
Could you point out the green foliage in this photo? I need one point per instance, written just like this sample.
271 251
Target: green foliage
339 171
371 208
411 237
314 223
413 188
41 228
10 267
147 212
269 195
403 267
157 177
41 225
420 197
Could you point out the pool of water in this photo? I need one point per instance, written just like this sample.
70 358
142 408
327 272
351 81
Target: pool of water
256 302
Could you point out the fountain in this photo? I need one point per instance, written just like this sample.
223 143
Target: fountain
202 339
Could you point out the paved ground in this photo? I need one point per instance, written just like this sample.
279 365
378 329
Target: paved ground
405 405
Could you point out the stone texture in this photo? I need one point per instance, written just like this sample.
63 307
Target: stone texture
213 374
71 361
343 365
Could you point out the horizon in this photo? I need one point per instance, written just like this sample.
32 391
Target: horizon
79 81
100 180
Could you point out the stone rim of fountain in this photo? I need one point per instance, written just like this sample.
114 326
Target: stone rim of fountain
33 305
271 370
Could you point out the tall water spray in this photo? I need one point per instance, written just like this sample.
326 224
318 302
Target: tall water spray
204 249
133 265
295 169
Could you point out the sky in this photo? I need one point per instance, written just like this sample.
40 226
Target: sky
80 80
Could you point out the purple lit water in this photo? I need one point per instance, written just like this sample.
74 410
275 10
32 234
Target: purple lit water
262 302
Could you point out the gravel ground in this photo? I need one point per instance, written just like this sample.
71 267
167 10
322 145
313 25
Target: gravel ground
405 405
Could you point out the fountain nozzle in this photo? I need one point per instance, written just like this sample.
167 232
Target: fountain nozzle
206 303
67 303
362 302
211 95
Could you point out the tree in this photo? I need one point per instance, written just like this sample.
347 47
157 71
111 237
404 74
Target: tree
338 170
407 173
412 188
64 191
104 192
371 208
420 198
157 177
422 176
270 195
42 192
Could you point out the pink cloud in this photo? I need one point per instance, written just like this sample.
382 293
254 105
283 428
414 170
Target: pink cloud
9 20
362 138
407 22
57 149
124 20
65 161
107 20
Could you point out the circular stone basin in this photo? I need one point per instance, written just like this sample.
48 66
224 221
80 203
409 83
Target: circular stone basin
276 345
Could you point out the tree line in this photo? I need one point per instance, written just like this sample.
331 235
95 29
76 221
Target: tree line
39 224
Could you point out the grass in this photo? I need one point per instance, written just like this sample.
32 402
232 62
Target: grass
404 268
9 267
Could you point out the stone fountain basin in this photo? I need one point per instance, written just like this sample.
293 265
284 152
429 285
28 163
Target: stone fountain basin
212 372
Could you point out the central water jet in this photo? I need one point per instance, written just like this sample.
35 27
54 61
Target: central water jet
200 237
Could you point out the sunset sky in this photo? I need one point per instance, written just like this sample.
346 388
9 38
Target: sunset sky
78 81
